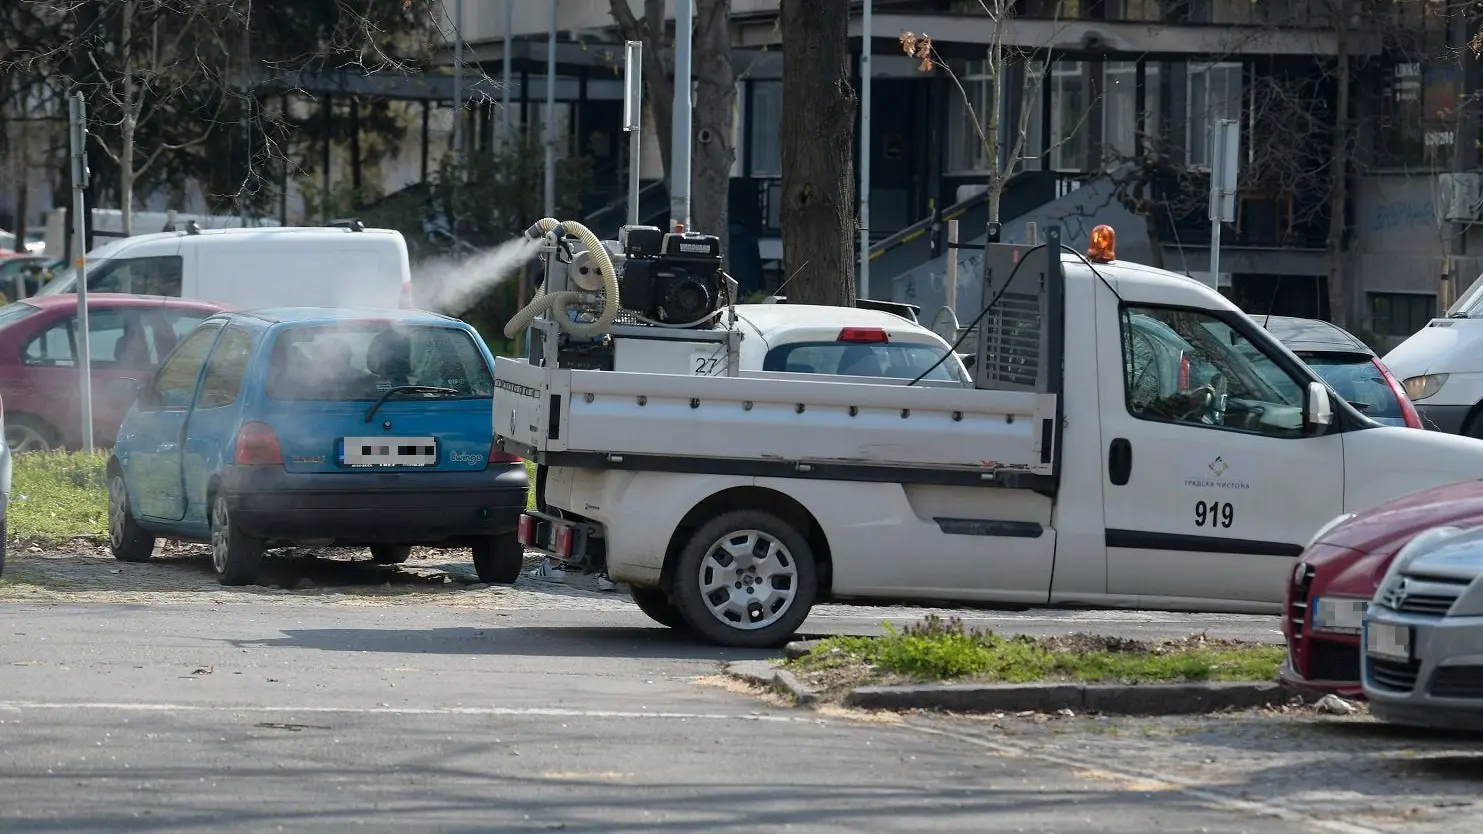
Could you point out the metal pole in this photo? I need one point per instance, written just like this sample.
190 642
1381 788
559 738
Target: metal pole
952 263
679 168
79 134
633 122
458 80
551 116
1215 253
504 95
865 73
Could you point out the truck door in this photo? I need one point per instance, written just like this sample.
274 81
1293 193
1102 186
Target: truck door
1211 484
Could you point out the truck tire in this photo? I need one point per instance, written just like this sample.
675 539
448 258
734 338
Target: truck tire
498 559
745 579
128 541
235 555
655 603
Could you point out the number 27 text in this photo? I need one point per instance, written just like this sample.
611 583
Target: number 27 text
1214 514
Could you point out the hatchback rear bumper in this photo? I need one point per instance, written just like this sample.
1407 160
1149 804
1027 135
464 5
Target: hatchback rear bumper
357 508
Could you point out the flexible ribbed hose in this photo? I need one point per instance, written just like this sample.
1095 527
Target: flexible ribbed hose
558 302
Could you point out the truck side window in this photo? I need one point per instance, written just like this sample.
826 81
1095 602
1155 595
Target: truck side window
1188 366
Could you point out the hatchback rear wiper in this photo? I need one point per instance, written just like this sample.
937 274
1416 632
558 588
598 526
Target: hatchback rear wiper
408 389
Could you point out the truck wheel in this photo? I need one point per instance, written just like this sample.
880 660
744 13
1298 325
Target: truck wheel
390 554
128 541
235 555
498 559
745 579
655 603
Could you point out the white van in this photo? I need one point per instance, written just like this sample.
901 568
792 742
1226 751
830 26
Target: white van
1441 367
326 266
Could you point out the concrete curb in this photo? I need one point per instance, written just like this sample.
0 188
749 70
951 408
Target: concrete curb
1107 699
771 675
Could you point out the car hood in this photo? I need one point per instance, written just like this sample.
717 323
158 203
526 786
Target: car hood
1444 346
1459 558
1401 518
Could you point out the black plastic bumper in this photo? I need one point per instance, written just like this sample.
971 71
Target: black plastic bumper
375 507
1443 418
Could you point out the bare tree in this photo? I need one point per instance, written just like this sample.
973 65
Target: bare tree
817 144
715 114
1003 145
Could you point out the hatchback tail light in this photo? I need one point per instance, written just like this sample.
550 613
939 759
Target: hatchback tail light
498 455
1408 410
257 445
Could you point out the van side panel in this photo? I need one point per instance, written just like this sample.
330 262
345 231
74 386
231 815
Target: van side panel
352 271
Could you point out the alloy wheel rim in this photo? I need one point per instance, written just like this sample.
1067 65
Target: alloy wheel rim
219 532
118 508
23 439
748 580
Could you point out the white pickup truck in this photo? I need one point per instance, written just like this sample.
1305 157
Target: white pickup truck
1134 441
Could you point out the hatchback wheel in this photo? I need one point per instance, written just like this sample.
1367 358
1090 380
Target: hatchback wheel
498 559
655 603
235 556
24 434
128 541
390 554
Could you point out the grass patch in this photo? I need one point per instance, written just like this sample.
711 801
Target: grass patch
939 650
58 496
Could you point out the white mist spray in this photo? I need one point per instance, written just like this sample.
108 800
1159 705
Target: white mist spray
452 285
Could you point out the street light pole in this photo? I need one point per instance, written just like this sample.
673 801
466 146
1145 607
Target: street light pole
77 113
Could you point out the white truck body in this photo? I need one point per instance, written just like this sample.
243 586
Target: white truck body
1069 491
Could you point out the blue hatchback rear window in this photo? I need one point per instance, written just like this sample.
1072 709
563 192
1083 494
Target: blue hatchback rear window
361 360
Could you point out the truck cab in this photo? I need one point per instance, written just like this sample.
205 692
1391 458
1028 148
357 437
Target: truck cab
1133 440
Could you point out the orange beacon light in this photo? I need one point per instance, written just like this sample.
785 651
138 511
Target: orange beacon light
1103 248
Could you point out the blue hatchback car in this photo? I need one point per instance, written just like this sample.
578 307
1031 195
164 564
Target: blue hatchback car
311 426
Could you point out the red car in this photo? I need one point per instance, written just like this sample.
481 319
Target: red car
128 335
1339 572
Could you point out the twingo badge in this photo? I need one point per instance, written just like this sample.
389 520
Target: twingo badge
1214 471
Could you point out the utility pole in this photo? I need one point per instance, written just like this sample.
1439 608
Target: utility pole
865 72
1225 158
77 116
551 115
633 120
679 168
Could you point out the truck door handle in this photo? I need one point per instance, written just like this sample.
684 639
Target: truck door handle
1120 461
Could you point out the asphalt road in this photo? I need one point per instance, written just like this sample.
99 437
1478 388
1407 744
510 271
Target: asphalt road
301 716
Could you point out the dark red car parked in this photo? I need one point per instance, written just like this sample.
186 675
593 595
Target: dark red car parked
128 335
1339 573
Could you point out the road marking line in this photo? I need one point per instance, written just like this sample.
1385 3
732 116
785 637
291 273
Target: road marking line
548 712
1142 779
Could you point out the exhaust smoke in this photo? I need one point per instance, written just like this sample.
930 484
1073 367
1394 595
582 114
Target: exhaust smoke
453 285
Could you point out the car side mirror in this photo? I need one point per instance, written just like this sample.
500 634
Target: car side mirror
1318 409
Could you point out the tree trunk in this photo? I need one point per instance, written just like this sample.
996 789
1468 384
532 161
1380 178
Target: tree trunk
1338 291
130 124
818 135
715 102
22 197
659 91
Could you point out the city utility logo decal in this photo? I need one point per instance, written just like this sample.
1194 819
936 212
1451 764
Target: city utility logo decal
1214 472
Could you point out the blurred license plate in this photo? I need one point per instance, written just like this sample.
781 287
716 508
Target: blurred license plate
1392 642
389 451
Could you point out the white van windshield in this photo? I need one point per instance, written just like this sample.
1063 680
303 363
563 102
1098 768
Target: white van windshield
1470 304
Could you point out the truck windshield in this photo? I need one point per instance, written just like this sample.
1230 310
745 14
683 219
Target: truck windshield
898 360
361 360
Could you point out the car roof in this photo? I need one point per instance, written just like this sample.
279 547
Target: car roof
1312 335
120 299
326 315
776 319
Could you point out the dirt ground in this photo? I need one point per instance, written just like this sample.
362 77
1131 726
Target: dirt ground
85 571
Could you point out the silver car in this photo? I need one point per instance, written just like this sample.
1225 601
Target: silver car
1422 663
